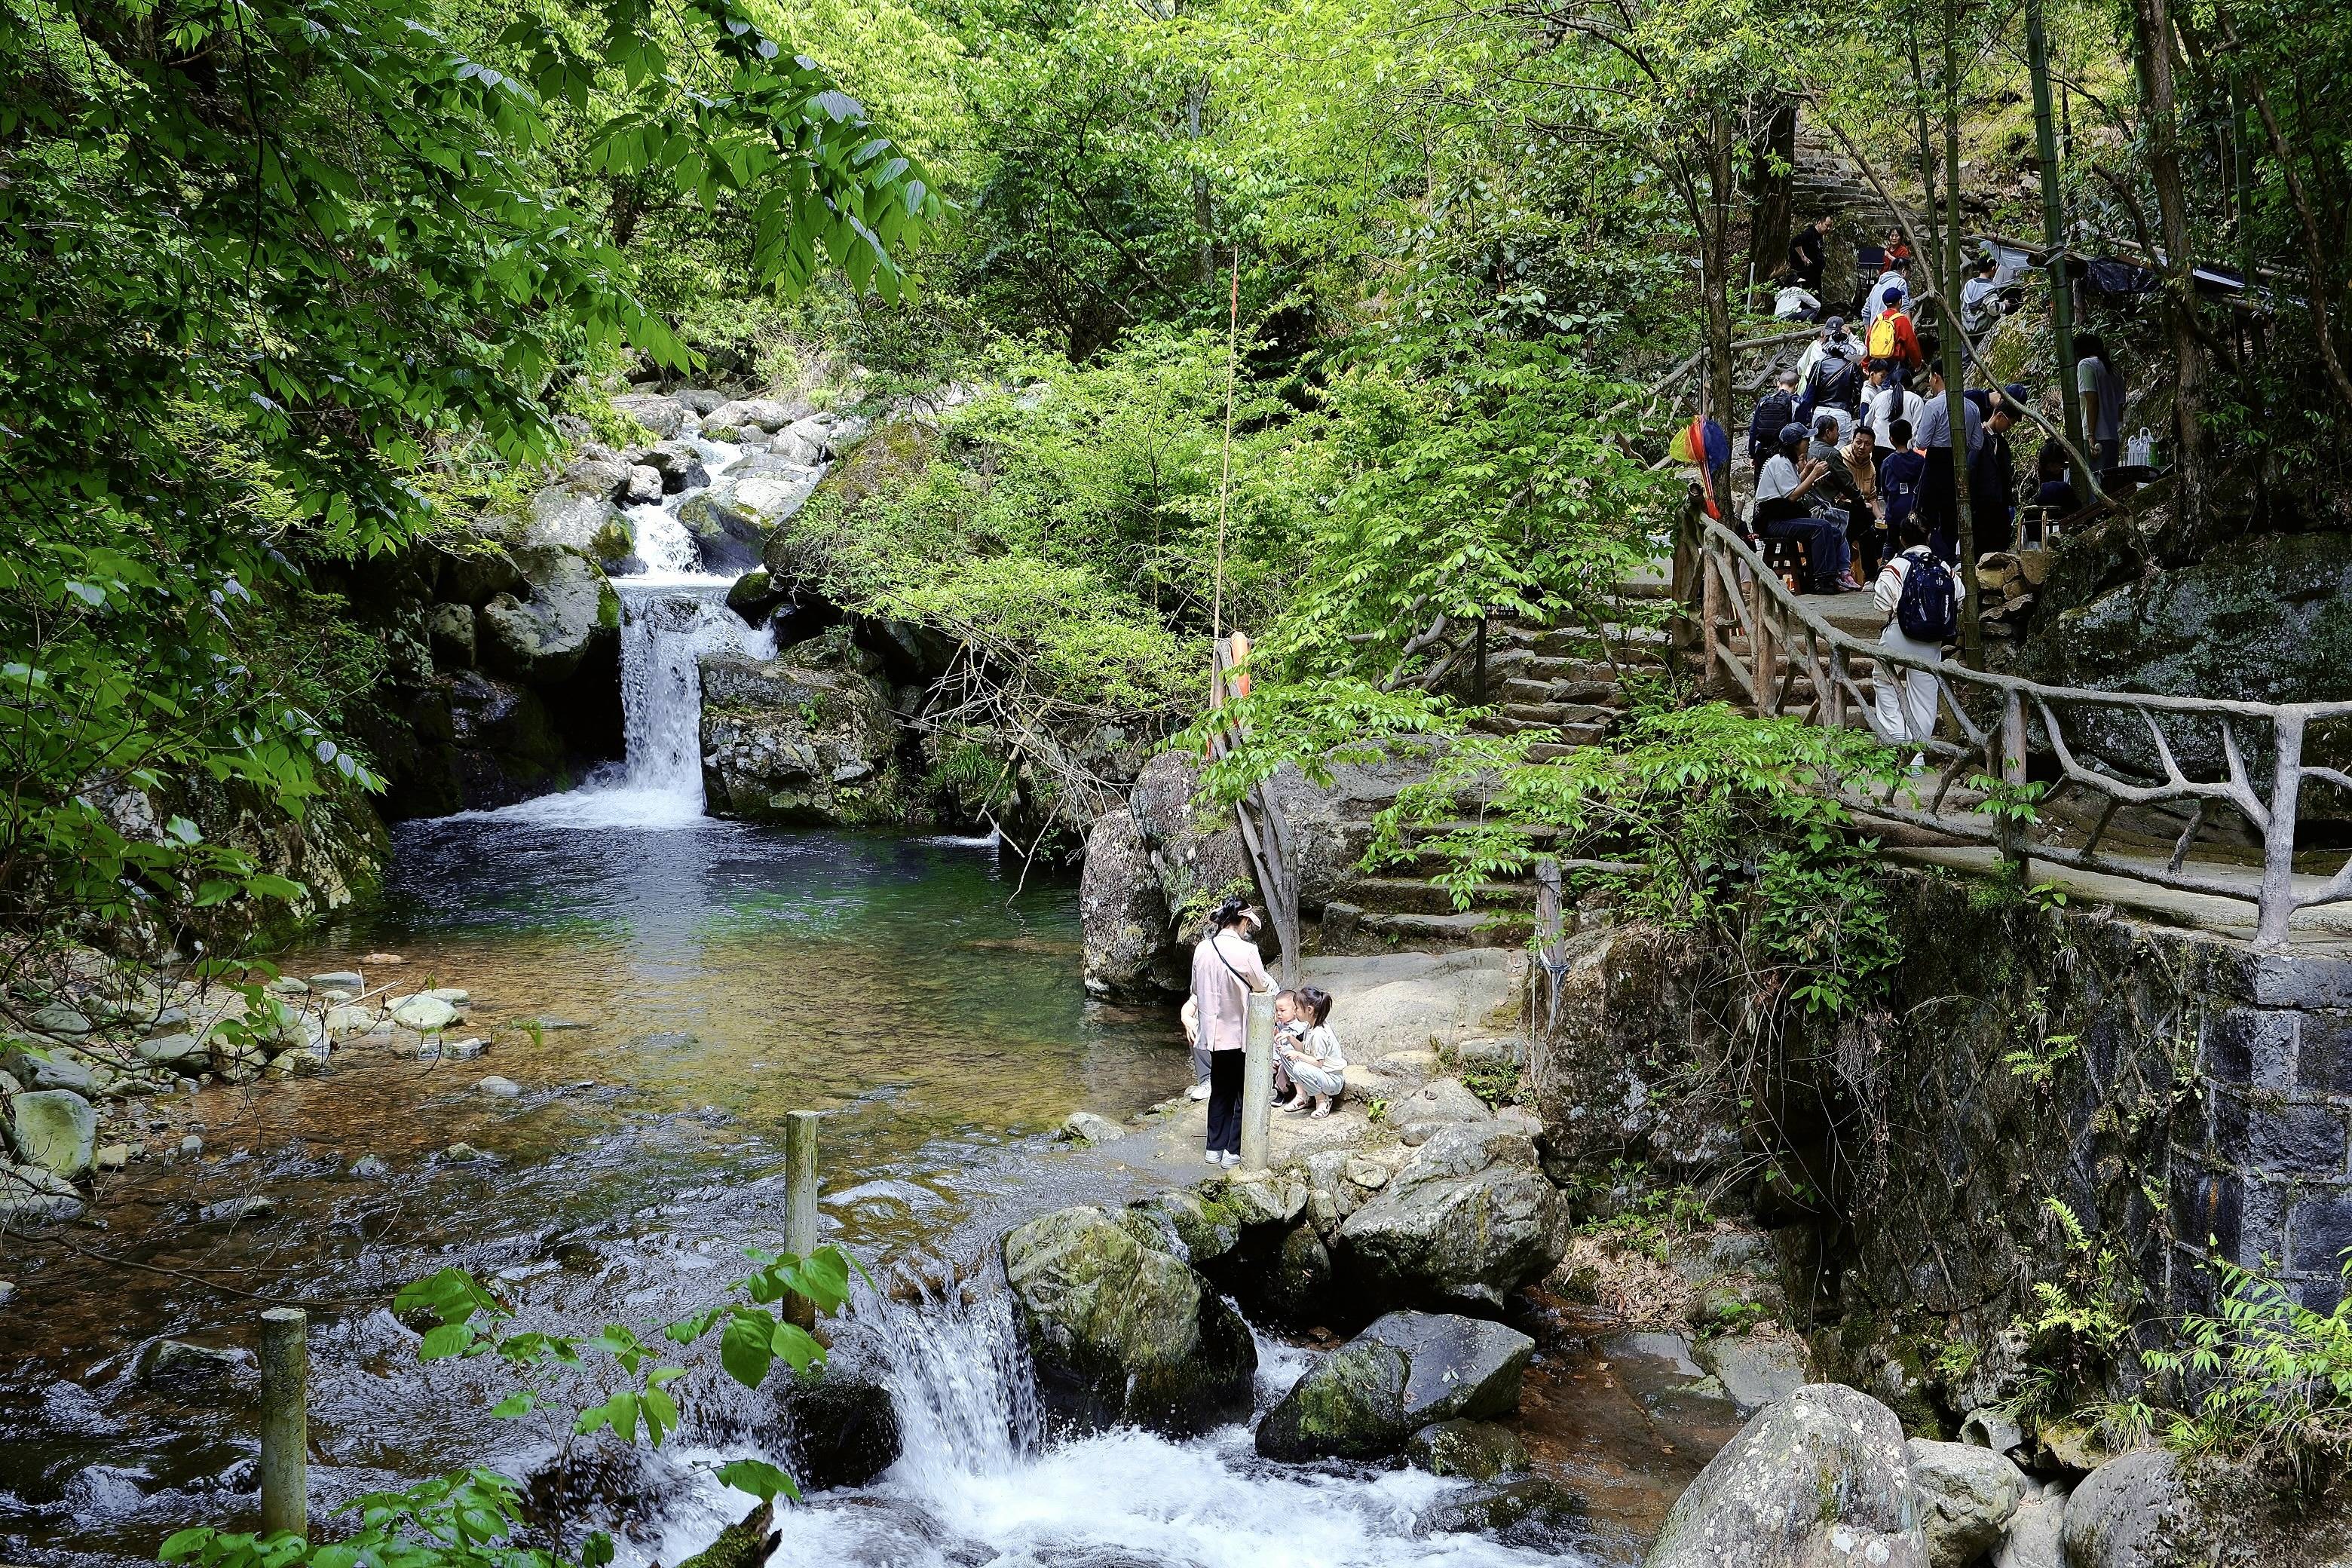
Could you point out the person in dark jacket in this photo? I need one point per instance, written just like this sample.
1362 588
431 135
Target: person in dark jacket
1774 409
2054 480
1809 253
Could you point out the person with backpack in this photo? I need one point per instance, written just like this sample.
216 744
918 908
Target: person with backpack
1899 473
1980 303
1834 384
1920 598
1893 342
1896 277
1784 509
1774 409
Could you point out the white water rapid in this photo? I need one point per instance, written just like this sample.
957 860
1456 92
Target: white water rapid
980 1486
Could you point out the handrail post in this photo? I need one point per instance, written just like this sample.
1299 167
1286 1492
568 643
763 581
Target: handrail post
800 1203
1711 614
1761 655
2013 772
1549 920
1257 1081
286 1422
2277 907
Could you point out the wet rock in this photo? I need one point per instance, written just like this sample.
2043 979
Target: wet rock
2130 1513
1086 1127
462 1155
754 597
748 1542
1966 1498
371 1168
1477 1450
1121 1330
1526 1510
760 414
464 1050
1295 1283
790 739
424 1014
29 1195
1130 950
1207 1229
726 540
7 1291
1273 1197
49 1067
1756 1369
643 487
53 1130
498 1088
1351 1405
337 980
546 638
841 1428
249 1210
1461 1367
182 1367
1821 1476
1467 1219
679 464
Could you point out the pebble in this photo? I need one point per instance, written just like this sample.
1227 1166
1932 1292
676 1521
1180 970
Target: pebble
371 1168
504 1088
337 980
229 1210
191 1146
112 1157
382 958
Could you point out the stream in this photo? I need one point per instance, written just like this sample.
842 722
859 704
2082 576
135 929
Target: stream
665 987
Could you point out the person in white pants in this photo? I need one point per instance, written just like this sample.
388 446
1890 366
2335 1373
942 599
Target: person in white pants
1906 710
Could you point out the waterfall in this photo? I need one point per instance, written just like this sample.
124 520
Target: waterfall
665 632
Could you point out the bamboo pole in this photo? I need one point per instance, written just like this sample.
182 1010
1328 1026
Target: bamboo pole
2053 231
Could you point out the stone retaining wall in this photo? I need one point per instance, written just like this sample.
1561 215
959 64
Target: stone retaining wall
2166 1085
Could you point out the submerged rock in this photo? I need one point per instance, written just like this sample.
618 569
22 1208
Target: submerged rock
1121 1330
1408 1370
1526 1510
1821 1476
841 1428
181 1366
1479 1450
1086 1127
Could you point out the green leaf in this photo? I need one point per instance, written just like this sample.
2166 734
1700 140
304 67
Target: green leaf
758 1478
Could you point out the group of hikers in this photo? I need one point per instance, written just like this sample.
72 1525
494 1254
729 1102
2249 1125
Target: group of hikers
1310 1069
1853 451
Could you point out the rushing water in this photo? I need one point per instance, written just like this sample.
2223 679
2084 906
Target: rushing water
665 987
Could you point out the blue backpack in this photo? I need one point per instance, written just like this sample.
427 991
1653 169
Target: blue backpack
1930 609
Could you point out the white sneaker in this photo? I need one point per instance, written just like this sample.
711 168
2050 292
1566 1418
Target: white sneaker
1213 1158
1229 1160
1198 1091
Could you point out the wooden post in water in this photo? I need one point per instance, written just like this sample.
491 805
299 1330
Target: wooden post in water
800 1202
1257 1082
284 1422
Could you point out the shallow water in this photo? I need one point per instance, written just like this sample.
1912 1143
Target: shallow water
666 988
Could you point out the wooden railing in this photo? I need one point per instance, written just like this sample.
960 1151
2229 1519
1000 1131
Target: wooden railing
1991 733
1266 832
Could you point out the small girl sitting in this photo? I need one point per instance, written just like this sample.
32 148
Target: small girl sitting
1314 1064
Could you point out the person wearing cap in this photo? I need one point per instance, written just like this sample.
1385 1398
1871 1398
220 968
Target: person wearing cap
1896 276
1226 967
1833 339
1892 340
1785 492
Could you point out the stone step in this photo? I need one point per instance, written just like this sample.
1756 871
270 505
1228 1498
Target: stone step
1572 735
1599 694
1558 713
1474 929
1552 751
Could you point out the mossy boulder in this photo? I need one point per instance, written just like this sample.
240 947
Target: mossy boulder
54 1130
1468 1219
1121 1330
800 739
545 637
726 538
1349 1406
1207 1229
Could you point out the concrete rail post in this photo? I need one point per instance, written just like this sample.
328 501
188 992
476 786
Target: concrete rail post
800 1202
1257 1082
286 1422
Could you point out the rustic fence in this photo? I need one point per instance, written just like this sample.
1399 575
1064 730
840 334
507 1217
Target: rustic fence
2105 750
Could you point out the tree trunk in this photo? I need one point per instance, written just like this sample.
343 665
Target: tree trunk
2152 46
1715 266
1955 350
1772 193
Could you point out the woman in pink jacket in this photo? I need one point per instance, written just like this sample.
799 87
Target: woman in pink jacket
1226 968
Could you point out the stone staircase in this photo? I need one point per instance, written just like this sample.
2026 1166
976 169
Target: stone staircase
1560 680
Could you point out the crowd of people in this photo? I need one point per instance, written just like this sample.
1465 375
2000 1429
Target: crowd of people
1309 1068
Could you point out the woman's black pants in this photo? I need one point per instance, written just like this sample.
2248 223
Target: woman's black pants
1226 1101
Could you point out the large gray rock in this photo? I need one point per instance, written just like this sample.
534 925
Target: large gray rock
2036 1536
1756 1371
1822 1476
749 413
1966 1498
1469 1218
807 737
1437 1103
544 638
1198 853
679 464
1121 1330
665 416
1463 1368
727 542
564 518
48 1065
1351 1405
53 1130
1122 913
596 473
769 490
31 1194
451 628
2130 1513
